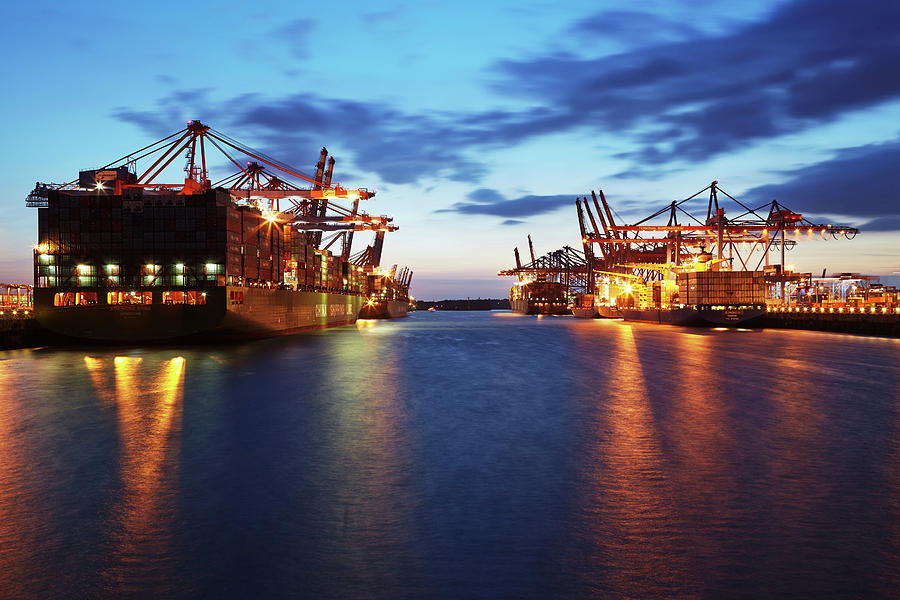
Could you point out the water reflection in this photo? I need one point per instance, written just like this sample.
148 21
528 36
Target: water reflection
369 459
21 508
629 515
148 402
702 444
456 455
889 569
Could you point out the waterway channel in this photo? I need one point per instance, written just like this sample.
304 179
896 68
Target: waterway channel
456 455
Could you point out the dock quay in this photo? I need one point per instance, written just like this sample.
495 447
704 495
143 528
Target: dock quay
873 321
19 329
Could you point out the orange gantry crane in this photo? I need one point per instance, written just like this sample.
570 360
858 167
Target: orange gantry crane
258 179
745 241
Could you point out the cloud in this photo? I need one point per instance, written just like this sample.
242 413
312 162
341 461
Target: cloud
296 35
631 28
400 147
512 222
383 16
890 223
862 181
807 63
485 196
499 206
171 113
673 100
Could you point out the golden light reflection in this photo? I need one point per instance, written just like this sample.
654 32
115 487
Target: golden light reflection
798 422
702 440
629 511
148 399
21 509
101 378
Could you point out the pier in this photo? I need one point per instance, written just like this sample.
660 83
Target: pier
872 321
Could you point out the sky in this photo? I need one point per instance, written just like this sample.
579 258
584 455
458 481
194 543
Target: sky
478 123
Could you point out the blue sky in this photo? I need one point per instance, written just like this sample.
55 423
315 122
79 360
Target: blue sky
479 123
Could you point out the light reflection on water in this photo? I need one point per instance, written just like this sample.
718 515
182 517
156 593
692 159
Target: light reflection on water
456 455
148 402
633 506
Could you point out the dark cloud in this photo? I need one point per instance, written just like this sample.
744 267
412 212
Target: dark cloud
807 63
891 223
512 222
171 112
152 122
383 16
676 102
399 147
862 181
485 196
525 206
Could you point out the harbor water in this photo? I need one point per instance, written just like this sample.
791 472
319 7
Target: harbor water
456 455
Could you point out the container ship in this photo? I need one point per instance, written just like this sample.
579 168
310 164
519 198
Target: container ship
539 298
588 306
698 297
122 258
388 294
584 307
539 290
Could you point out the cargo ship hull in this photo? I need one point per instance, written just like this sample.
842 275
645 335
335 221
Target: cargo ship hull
584 307
539 298
386 309
702 317
608 312
529 307
229 313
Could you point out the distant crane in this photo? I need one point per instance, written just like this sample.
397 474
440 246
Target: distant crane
566 266
745 241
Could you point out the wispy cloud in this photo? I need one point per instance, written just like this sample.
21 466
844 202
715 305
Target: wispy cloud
297 35
632 28
499 206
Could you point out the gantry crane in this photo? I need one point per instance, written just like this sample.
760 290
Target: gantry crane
747 239
313 207
566 266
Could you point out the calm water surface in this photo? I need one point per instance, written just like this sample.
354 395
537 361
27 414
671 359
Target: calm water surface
456 455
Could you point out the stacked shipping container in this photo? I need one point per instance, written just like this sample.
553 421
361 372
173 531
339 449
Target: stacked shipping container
149 239
722 287
131 240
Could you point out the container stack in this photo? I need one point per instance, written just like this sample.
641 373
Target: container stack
108 240
722 287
